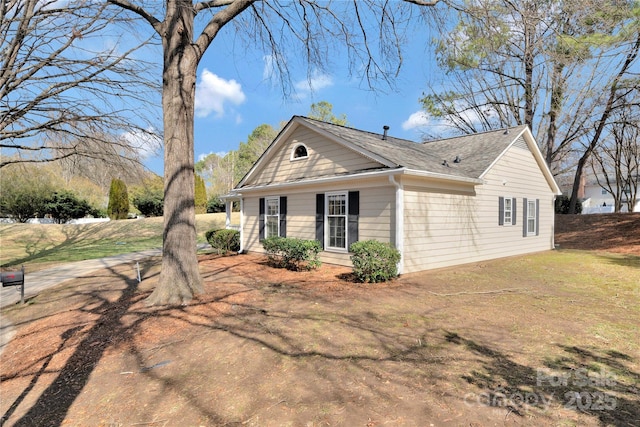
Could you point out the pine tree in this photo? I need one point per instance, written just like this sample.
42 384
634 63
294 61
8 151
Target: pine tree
200 195
118 200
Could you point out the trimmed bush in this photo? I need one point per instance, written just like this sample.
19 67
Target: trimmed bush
224 240
292 254
374 261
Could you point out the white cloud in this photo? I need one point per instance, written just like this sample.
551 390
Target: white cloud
316 82
421 120
147 143
416 120
213 92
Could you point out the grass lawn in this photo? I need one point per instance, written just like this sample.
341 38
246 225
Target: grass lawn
39 246
548 339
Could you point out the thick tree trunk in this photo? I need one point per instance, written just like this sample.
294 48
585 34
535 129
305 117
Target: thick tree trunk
179 276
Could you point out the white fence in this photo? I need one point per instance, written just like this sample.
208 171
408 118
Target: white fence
51 221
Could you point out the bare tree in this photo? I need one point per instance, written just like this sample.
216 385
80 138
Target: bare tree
62 88
616 163
544 63
622 85
304 28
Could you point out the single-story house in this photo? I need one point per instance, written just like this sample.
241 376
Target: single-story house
441 203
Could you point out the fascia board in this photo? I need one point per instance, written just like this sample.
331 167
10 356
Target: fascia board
363 175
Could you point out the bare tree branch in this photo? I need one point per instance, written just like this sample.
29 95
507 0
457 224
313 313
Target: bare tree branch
152 20
56 86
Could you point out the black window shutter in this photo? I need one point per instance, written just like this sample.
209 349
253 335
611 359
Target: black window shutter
537 217
500 210
261 220
513 211
353 217
524 217
320 218
283 216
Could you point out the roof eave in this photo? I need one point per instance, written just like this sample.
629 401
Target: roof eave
362 175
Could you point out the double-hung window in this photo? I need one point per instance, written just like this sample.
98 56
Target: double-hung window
272 216
506 211
337 217
336 220
531 217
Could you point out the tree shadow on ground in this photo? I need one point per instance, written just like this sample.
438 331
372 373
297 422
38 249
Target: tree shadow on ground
39 246
52 405
593 382
622 260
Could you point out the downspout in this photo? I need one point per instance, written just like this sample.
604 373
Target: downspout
399 243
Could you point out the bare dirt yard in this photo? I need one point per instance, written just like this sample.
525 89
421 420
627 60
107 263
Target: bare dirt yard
547 339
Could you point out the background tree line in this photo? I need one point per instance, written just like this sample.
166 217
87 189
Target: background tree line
567 69
77 186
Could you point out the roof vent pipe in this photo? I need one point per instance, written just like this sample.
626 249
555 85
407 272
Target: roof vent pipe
384 135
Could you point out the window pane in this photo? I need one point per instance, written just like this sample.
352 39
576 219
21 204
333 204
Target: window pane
272 206
531 216
337 205
337 232
272 226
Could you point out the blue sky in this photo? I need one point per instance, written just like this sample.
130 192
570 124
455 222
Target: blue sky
234 95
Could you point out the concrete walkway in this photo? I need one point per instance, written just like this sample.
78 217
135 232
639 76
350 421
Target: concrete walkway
38 281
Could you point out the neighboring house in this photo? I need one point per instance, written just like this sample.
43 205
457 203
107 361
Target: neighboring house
440 203
598 199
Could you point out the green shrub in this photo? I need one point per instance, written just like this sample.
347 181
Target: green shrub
149 204
224 240
215 205
562 205
374 261
291 253
64 206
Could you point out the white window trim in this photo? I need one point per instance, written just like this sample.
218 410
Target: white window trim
504 212
531 215
293 157
266 215
326 222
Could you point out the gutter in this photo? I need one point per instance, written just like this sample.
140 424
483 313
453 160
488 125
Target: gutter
341 178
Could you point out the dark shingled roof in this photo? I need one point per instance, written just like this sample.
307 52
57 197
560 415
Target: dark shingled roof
476 152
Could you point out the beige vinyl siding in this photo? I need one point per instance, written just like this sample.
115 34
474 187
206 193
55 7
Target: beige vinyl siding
375 219
325 158
447 229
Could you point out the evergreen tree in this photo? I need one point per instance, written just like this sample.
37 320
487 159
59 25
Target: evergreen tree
118 200
200 195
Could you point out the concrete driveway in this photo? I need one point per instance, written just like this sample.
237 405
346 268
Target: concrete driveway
38 281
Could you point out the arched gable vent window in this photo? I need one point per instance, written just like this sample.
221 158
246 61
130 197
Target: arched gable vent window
299 152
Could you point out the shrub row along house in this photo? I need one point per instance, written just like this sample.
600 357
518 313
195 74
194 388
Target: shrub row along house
440 203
